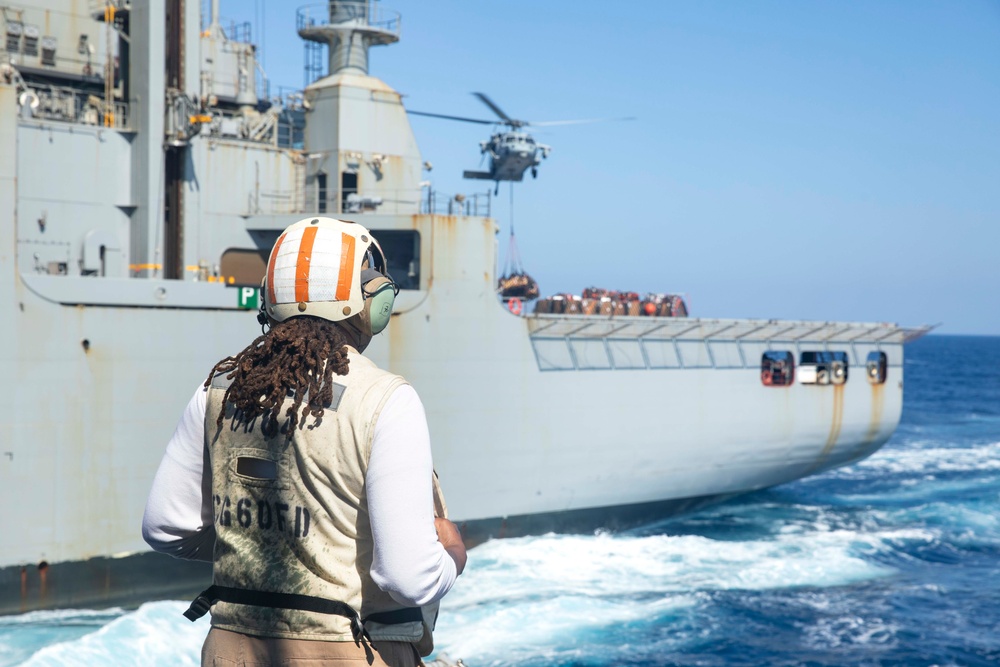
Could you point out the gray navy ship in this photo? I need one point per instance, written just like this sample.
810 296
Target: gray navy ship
145 176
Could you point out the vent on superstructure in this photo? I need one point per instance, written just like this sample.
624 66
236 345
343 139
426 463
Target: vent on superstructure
49 51
31 35
14 32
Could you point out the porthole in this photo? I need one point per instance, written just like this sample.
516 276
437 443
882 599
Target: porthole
877 367
777 369
823 367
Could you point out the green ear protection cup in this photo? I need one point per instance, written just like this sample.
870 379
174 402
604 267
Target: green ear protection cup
380 305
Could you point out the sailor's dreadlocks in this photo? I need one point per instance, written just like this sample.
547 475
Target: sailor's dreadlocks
295 359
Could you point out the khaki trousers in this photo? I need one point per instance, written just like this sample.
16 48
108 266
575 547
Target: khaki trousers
232 649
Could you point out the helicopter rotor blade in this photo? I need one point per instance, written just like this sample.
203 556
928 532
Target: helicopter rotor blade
581 121
446 117
497 110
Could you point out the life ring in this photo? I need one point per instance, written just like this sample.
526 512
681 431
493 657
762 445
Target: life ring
514 305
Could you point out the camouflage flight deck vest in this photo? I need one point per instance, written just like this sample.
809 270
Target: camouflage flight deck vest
291 515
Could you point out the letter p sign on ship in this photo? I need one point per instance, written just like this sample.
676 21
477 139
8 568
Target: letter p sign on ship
248 297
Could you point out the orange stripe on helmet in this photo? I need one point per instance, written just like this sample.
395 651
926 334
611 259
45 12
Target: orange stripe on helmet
346 277
271 298
303 262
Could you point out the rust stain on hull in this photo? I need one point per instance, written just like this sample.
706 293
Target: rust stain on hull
874 422
835 425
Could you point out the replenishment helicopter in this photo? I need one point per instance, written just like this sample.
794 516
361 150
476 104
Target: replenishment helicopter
511 151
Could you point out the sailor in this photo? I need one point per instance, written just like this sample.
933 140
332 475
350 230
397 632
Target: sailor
303 471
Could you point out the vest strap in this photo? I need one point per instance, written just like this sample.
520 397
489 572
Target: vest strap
201 604
396 616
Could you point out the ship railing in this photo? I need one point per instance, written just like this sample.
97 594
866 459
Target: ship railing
69 105
234 31
588 342
362 202
438 203
371 15
333 202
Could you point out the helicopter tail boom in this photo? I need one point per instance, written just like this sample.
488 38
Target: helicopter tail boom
482 175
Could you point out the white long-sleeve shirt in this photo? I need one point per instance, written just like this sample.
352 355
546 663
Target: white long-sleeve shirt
409 562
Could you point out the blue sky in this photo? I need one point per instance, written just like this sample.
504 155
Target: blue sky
789 159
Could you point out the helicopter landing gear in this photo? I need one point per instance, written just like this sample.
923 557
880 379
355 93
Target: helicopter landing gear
534 172
496 190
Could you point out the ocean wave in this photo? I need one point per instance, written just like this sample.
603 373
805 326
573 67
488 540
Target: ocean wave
24 634
61 617
928 459
841 624
546 591
154 634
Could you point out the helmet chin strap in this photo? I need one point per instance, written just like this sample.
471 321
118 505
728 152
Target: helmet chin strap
262 319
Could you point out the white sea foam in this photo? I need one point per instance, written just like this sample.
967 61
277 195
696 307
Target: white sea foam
928 460
155 634
554 591
550 591
62 617
851 629
545 591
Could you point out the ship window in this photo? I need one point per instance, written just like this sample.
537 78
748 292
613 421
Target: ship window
876 367
321 192
661 353
823 367
777 369
626 353
402 252
244 266
725 354
348 186
552 354
590 354
694 354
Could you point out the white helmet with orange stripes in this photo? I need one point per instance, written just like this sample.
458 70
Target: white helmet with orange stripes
332 269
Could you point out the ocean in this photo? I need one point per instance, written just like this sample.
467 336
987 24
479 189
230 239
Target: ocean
892 561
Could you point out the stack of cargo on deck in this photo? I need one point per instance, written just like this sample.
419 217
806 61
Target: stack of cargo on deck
595 301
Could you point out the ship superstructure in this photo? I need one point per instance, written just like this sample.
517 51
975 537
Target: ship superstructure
145 176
